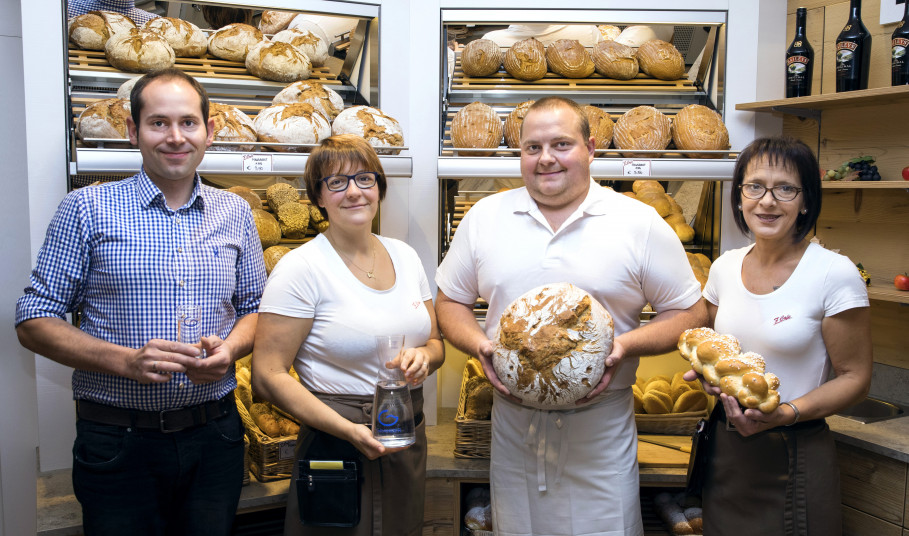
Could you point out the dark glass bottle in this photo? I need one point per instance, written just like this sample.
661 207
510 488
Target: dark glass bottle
799 60
853 52
899 44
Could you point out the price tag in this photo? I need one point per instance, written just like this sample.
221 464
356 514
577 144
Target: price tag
257 163
636 168
286 449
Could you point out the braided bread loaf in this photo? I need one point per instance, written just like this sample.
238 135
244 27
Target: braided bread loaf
719 359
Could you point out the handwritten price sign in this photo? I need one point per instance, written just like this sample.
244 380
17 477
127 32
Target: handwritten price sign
257 163
636 168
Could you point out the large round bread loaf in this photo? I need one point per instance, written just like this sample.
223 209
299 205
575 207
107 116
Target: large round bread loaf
303 23
139 51
231 124
526 60
281 193
324 99
90 31
309 43
251 197
614 60
513 124
481 57
291 123
476 125
661 60
268 228
281 62
184 37
272 22
635 36
272 255
234 41
103 119
642 127
699 127
568 58
373 125
551 346
601 126
126 88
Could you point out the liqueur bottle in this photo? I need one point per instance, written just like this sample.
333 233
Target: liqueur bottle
799 60
899 42
853 52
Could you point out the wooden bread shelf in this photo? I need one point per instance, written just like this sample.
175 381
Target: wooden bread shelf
864 185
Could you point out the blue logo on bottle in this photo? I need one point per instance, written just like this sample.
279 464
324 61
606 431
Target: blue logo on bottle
387 419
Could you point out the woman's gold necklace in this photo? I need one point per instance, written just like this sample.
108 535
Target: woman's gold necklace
371 273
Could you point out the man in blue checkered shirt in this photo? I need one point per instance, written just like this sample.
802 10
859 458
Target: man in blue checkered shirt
125 7
159 444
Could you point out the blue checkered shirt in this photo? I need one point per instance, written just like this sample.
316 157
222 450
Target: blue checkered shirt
117 253
126 7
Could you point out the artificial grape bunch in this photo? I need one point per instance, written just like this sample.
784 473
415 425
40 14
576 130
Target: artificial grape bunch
861 168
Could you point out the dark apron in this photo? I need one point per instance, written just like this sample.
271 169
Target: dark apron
400 478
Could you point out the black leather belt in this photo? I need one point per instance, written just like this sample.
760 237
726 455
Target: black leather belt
168 420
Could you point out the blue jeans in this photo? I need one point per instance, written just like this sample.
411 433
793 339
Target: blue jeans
144 482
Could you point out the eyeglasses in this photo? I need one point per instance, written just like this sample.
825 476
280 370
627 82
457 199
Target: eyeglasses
339 183
783 192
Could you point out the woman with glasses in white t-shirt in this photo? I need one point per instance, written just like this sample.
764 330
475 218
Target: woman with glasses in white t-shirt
322 307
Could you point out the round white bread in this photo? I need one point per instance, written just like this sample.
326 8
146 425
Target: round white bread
642 127
324 99
614 60
699 127
126 88
104 119
481 57
309 43
513 124
635 36
139 51
187 40
281 62
551 346
660 59
90 31
231 124
272 22
291 123
526 60
601 126
371 124
568 58
233 41
476 126
302 22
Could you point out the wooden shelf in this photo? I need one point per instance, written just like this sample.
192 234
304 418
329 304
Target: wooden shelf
888 293
864 185
881 96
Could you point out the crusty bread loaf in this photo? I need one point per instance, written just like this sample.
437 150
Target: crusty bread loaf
481 57
272 255
614 60
609 32
551 345
291 123
309 43
280 62
187 40
569 58
231 124
139 51
268 228
281 193
272 22
698 127
294 220
478 401
660 59
251 197
513 124
642 127
381 130
476 126
526 60
642 185
719 360
126 88
90 31
103 119
234 41
324 99
601 126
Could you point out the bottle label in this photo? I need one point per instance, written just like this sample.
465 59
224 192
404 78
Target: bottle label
846 64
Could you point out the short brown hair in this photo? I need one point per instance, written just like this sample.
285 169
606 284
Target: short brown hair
334 154
553 102
135 96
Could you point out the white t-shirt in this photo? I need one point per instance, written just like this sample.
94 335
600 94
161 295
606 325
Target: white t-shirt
617 249
785 325
339 355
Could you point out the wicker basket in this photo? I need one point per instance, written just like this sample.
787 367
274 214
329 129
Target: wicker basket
269 458
473 437
669 423
245 459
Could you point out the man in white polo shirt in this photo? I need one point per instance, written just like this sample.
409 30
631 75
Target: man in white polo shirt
567 472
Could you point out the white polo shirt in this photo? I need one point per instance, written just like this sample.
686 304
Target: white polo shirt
617 249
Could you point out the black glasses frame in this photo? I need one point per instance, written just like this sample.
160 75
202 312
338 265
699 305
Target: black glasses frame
372 174
771 190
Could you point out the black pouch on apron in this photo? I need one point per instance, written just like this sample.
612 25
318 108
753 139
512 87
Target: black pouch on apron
329 482
697 462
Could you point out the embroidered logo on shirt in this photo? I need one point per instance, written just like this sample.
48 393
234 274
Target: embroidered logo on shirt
415 304
779 319
215 251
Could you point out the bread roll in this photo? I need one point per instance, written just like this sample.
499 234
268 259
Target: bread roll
526 60
268 228
513 124
671 513
642 127
698 127
234 41
90 31
657 402
478 518
231 124
568 58
309 43
609 32
638 399
279 62
291 123
481 57
614 60
657 201
381 130
281 193
657 384
551 345
139 51
294 219
184 37
689 401
642 185
476 125
272 255
601 126
251 197
272 22
660 59
103 119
